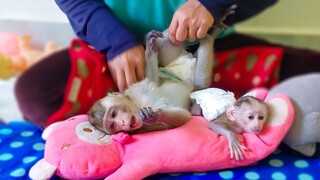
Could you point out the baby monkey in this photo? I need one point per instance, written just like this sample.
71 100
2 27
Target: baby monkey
248 114
155 103
159 103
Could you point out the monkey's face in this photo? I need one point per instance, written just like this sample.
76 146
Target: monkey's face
120 118
115 113
252 118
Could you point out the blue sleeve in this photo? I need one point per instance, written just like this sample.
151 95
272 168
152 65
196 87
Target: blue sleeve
245 8
94 23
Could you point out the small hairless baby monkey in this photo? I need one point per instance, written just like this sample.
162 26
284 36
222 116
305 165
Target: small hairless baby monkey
248 114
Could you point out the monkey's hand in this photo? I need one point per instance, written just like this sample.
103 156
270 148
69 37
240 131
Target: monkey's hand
148 115
235 147
151 42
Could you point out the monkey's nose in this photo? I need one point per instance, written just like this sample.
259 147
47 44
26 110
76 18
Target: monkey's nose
256 129
123 123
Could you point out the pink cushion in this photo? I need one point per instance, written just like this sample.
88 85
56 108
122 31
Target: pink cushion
78 150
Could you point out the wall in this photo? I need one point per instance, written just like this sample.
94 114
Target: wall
31 10
40 18
292 22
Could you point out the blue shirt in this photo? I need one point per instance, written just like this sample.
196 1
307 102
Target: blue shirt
113 26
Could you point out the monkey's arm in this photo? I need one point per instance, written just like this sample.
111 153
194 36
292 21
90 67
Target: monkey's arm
222 127
172 116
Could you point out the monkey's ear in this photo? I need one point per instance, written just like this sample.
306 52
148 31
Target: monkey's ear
231 113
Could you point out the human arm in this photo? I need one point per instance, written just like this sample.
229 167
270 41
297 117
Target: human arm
195 17
94 23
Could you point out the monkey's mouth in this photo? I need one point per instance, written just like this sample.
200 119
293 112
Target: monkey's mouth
255 131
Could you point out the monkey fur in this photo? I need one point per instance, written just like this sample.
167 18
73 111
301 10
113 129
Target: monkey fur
155 103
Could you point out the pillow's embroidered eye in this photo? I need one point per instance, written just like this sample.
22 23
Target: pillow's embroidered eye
261 117
251 117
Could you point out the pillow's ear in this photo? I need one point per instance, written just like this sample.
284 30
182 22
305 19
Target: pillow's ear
120 137
231 112
42 170
48 130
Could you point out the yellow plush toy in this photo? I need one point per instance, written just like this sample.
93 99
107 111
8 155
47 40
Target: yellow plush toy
6 68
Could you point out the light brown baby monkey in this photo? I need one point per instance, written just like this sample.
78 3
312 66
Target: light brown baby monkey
248 114
155 103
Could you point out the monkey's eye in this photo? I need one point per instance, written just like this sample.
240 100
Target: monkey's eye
261 117
114 114
112 125
251 117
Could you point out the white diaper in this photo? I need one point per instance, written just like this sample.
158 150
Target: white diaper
180 69
213 101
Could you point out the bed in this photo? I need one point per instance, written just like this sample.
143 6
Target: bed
22 146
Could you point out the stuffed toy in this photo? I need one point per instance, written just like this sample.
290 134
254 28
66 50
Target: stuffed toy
305 131
6 69
76 150
18 48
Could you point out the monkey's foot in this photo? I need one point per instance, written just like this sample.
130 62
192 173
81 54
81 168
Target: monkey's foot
152 37
230 10
147 115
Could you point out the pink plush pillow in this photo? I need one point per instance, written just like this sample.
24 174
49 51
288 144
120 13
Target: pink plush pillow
76 150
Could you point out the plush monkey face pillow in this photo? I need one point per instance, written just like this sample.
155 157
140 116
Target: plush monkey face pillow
76 150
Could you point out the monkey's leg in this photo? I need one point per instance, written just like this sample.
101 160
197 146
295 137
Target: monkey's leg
151 56
167 51
159 50
204 66
205 57
174 116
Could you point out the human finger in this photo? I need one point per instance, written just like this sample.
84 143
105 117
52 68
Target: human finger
172 30
182 32
140 71
130 75
121 81
192 34
202 32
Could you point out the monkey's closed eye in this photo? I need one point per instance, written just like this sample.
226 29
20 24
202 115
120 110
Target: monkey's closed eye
250 117
261 117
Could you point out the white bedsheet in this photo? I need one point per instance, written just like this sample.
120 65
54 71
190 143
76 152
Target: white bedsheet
9 110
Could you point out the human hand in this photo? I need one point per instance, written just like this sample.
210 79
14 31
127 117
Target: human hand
128 67
192 20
